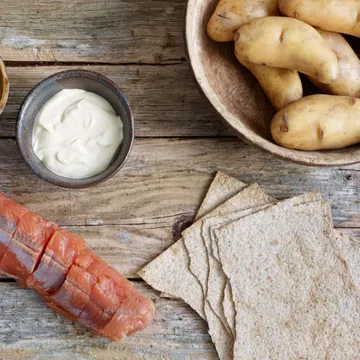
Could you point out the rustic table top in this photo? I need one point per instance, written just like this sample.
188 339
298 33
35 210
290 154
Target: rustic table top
136 215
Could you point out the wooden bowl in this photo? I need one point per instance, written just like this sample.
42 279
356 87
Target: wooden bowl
236 95
4 86
45 90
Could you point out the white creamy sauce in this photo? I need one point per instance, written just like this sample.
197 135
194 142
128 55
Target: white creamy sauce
76 134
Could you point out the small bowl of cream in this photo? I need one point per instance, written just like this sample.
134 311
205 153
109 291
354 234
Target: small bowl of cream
75 129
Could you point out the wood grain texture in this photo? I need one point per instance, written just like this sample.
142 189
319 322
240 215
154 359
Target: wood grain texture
164 181
114 31
164 99
139 213
40 333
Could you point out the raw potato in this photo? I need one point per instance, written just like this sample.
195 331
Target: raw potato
281 86
229 15
333 15
287 43
318 122
348 81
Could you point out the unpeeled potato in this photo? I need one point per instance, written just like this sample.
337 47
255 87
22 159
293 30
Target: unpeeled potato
348 81
287 43
318 122
281 86
229 15
340 16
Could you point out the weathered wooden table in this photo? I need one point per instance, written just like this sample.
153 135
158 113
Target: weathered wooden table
136 215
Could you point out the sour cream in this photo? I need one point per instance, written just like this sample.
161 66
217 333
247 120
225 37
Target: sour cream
76 134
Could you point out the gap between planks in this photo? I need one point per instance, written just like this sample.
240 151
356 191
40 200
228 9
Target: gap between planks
169 62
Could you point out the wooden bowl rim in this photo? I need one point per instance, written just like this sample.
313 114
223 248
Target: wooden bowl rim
5 86
301 157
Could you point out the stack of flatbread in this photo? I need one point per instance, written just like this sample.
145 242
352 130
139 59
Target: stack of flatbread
273 279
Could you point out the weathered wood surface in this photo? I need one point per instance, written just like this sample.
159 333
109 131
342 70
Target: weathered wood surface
164 181
165 99
30 330
135 216
116 31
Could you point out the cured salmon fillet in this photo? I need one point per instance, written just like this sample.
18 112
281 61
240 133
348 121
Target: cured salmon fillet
74 294
116 309
135 314
69 276
104 300
27 245
54 265
10 214
134 311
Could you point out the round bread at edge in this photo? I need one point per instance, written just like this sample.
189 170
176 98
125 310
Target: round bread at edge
287 43
318 122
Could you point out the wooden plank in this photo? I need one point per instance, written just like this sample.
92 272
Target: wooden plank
164 99
352 232
164 182
40 333
116 31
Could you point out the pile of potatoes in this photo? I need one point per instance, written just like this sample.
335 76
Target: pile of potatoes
305 39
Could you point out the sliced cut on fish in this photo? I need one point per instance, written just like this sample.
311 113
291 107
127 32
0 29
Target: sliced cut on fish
74 294
134 314
116 308
10 214
59 255
27 245
104 300
61 311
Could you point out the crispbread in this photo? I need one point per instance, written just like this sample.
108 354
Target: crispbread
216 282
217 279
251 196
293 292
182 283
175 261
221 189
228 304
298 224
229 307
223 342
192 236
349 250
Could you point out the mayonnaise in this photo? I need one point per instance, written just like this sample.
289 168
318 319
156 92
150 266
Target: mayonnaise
76 134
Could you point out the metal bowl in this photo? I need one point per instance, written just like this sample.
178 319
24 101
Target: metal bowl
46 89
